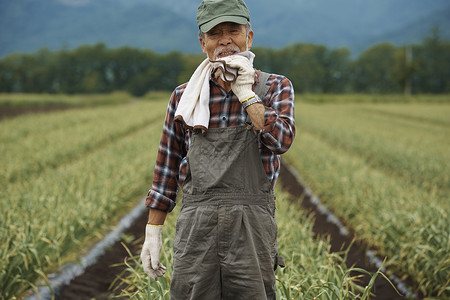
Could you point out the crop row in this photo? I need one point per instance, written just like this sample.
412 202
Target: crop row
17 100
410 141
383 168
50 215
31 145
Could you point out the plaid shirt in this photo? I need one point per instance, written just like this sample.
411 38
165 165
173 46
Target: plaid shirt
225 111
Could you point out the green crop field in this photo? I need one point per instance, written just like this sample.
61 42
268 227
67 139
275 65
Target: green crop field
383 168
68 177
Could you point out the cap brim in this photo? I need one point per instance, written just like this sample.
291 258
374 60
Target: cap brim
235 19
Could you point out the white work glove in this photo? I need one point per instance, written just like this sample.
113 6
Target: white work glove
150 252
242 87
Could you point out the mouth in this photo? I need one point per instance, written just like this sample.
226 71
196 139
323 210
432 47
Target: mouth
225 54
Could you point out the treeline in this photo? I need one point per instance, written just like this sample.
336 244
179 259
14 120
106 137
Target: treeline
383 68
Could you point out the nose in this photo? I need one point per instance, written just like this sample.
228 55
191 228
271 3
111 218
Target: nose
225 39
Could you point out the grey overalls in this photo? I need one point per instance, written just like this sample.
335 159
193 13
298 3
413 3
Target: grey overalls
225 245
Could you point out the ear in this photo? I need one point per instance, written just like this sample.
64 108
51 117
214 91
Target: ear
250 39
203 45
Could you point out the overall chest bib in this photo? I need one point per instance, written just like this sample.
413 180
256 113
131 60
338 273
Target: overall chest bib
226 239
226 161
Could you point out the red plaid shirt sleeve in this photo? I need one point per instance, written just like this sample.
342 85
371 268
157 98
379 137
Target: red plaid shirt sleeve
171 151
279 119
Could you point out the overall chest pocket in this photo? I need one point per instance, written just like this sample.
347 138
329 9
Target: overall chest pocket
217 164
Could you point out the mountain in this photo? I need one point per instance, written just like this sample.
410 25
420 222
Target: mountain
162 26
27 25
419 28
354 24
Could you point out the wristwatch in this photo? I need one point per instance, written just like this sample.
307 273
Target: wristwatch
251 101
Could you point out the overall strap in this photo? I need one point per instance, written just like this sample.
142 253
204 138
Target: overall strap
261 89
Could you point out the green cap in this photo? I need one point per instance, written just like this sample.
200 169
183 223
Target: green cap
213 12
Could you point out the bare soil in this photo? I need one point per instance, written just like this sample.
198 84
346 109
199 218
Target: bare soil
356 255
95 282
11 112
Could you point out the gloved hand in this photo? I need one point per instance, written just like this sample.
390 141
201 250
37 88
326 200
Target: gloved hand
150 252
242 87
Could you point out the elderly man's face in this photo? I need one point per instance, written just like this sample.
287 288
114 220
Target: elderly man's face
226 39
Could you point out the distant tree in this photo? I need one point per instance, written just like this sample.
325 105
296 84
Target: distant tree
169 66
382 68
91 69
68 73
304 64
404 68
373 71
143 82
189 63
9 77
126 63
336 78
432 59
266 59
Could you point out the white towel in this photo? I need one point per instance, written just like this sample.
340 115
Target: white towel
193 108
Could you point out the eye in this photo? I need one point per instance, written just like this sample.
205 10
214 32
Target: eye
235 30
213 33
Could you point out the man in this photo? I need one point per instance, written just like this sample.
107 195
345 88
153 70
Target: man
221 143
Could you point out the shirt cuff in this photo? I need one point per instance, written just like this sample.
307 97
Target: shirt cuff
159 201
